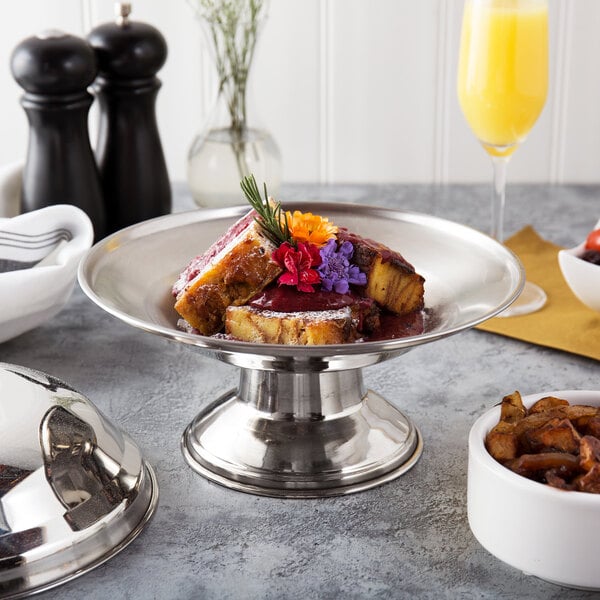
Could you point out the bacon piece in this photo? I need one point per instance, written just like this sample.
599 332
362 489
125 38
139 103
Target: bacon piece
535 465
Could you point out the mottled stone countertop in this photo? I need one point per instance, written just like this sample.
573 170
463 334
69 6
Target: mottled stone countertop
406 539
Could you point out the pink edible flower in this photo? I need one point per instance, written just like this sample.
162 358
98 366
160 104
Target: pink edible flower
298 265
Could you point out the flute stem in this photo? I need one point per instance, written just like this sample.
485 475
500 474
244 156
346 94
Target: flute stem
500 164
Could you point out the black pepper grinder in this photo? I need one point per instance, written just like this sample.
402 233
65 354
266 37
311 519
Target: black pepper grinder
133 172
55 70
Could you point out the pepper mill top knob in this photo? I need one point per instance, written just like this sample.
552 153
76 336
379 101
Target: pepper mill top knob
128 50
53 63
122 12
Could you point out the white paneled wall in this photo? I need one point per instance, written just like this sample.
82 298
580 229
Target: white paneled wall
352 90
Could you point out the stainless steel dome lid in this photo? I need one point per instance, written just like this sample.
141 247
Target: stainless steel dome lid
74 489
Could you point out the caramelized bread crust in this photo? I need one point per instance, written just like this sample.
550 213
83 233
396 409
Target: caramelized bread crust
391 280
297 328
240 270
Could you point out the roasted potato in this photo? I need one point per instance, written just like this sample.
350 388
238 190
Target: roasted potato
512 409
553 442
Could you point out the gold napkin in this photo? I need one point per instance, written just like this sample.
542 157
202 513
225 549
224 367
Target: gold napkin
564 322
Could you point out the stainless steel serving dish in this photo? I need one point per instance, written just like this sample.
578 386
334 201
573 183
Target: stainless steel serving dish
301 422
74 489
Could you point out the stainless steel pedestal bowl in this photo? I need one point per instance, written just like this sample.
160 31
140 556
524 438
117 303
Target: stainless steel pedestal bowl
301 423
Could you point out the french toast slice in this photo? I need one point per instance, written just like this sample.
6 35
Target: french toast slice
391 280
233 270
279 315
306 328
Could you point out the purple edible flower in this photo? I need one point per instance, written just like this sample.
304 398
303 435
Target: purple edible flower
336 271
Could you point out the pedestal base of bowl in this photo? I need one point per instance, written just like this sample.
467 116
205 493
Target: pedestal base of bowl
301 435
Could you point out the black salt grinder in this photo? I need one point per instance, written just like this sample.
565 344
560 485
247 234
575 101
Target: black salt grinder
55 70
133 172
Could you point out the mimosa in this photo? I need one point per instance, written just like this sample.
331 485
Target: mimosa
502 86
503 70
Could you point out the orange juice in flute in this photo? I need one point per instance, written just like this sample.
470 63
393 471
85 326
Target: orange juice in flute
502 87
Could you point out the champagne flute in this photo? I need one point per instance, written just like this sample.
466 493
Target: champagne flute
502 87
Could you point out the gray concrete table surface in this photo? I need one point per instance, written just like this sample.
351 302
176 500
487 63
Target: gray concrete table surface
406 539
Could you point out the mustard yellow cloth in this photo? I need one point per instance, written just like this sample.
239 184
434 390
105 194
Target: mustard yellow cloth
564 322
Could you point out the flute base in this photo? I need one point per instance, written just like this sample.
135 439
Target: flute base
531 299
301 435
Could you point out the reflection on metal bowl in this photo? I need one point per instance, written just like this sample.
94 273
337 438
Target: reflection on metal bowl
74 489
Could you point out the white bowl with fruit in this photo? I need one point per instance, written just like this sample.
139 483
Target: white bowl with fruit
580 267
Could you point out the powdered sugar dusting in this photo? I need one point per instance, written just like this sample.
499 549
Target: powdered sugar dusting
307 315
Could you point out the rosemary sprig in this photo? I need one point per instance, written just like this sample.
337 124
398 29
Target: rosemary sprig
270 216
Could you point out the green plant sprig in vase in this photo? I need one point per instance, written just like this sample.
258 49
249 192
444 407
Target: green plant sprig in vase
232 28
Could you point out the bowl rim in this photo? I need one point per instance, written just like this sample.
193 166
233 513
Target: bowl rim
580 276
575 253
478 452
577 250
321 356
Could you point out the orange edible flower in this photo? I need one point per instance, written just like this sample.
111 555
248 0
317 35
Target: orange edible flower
306 227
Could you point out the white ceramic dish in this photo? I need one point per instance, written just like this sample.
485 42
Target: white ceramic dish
581 276
39 255
543 531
